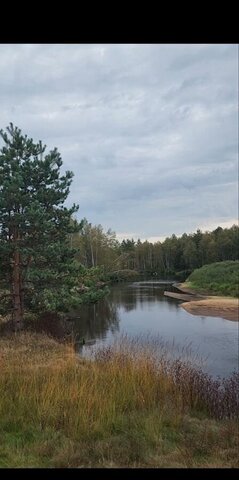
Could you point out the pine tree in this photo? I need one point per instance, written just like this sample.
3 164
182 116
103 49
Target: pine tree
37 264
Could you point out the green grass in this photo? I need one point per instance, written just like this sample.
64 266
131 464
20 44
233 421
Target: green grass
220 278
57 410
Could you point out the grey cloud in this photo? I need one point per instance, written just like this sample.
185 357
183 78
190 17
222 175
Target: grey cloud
200 53
150 131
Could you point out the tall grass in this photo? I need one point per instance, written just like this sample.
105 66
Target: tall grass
125 408
157 362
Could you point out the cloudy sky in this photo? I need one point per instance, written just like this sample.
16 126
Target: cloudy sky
150 131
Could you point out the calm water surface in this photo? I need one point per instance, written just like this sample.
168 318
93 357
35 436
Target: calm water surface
141 308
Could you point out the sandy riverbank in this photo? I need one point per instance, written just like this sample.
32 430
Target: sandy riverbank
212 306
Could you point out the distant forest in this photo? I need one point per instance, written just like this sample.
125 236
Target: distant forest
175 256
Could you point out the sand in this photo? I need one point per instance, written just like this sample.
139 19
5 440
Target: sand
224 307
210 306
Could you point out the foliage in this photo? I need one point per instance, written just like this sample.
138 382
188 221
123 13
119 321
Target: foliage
125 275
221 278
174 257
39 270
181 276
96 248
180 254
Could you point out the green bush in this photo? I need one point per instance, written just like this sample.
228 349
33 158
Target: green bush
220 278
125 275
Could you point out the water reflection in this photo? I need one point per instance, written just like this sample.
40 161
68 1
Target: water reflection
142 295
141 308
95 321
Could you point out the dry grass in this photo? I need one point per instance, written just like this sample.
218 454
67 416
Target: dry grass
122 409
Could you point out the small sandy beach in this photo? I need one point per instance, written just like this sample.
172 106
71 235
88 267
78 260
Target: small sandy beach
212 306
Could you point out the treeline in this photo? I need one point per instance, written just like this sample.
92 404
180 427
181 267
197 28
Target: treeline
175 256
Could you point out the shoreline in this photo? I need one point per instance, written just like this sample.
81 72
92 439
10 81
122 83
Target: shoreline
210 305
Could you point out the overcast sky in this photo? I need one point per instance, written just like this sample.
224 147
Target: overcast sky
150 131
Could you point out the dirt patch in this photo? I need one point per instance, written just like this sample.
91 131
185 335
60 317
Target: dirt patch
227 308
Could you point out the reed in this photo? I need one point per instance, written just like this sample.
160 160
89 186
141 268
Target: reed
133 405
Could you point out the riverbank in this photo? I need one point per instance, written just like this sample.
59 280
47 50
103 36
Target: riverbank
209 305
54 411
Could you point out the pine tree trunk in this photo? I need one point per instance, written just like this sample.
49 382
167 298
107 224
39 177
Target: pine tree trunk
17 307
21 296
92 254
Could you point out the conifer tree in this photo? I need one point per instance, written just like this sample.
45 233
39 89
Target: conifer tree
37 265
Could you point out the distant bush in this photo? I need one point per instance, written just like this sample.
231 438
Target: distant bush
182 275
221 278
125 275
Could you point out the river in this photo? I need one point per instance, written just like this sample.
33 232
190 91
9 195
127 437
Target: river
140 308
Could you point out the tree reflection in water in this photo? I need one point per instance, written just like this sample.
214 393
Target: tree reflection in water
141 295
94 321
140 308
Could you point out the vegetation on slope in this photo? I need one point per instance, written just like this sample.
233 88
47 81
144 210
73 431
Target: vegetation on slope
124 409
220 278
